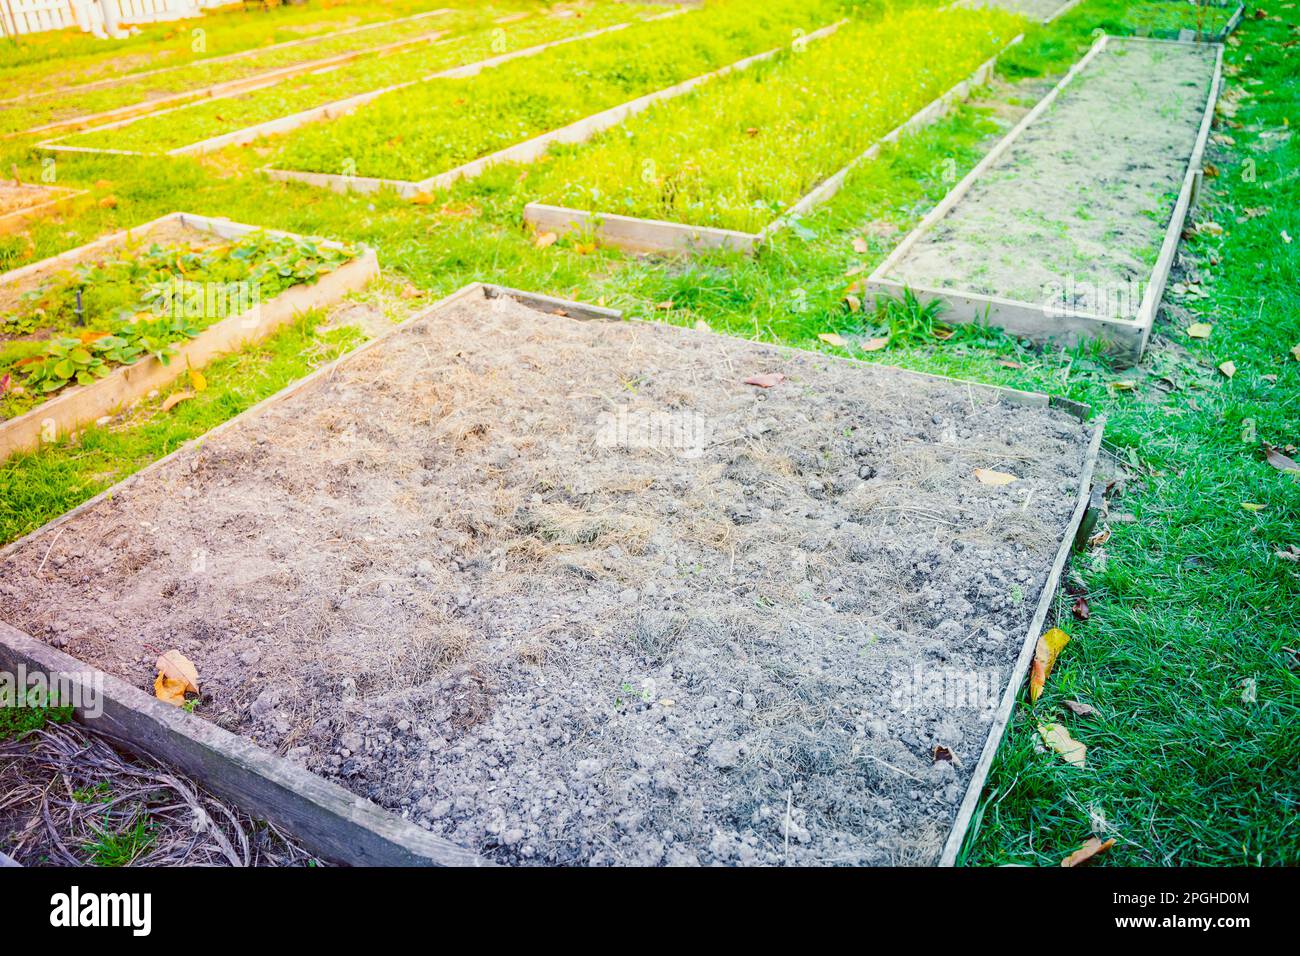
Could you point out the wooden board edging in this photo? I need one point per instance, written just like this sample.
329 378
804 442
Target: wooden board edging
1002 717
80 405
331 822
17 217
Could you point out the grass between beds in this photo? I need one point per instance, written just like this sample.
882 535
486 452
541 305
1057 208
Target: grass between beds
1190 603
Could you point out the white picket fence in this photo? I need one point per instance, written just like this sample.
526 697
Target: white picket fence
35 16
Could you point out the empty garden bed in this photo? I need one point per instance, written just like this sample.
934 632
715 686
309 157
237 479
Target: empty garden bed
1066 231
595 591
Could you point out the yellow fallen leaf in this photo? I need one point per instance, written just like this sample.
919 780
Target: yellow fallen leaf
197 381
1252 506
422 199
853 302
174 399
585 248
1228 368
176 675
1093 847
1046 652
1199 330
874 345
545 239
830 338
987 476
1058 739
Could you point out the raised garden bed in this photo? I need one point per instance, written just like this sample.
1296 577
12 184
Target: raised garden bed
145 92
516 112
575 592
20 202
1044 11
1066 230
742 158
231 120
101 326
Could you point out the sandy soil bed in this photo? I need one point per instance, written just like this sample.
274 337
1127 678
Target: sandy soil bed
1081 201
572 591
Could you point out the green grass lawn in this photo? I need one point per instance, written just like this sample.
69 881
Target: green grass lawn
1190 654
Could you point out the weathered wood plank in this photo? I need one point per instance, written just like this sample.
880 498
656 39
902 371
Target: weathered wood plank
326 819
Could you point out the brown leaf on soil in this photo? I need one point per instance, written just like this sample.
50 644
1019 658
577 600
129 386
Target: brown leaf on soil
941 752
1273 455
174 399
1100 538
1091 849
176 675
766 380
987 476
1046 652
1079 709
1081 610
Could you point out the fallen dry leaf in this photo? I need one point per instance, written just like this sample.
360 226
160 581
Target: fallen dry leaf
1274 456
1295 352
1091 849
1228 368
1289 553
1081 610
545 239
766 380
176 675
831 338
860 245
1252 506
197 381
1199 330
665 305
1046 652
875 345
1079 709
1100 538
940 752
853 302
174 399
108 202
987 476
422 199
1058 739
1008 363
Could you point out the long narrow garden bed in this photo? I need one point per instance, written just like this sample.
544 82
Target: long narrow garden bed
123 96
21 202
101 326
760 609
737 160
240 117
455 129
1066 231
